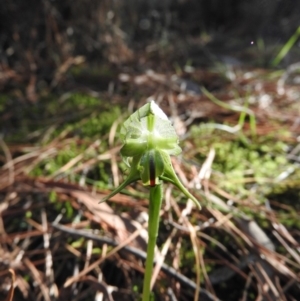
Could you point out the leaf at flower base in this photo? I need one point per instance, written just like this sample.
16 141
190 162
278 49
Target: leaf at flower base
134 175
169 175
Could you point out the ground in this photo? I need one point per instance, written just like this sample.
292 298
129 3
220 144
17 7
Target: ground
236 111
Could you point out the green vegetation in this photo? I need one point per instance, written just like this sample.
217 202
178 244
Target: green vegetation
76 114
238 165
286 48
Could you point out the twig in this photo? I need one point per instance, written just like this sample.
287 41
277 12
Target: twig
204 294
12 287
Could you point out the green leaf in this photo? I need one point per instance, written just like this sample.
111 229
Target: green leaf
169 175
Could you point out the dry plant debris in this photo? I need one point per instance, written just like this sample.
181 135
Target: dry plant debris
244 245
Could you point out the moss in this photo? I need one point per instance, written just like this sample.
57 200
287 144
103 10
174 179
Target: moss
237 166
85 119
80 114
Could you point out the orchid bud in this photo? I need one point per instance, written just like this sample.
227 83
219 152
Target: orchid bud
148 141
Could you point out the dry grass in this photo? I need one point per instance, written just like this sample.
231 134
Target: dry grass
58 243
62 245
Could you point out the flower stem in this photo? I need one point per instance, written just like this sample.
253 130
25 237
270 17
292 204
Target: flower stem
155 201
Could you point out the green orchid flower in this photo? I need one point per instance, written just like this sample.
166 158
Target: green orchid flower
148 141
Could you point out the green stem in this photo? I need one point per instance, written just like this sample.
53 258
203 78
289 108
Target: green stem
155 201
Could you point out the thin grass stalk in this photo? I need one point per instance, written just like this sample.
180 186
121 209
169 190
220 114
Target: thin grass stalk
286 48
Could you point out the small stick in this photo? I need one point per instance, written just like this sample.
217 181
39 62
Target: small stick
12 288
